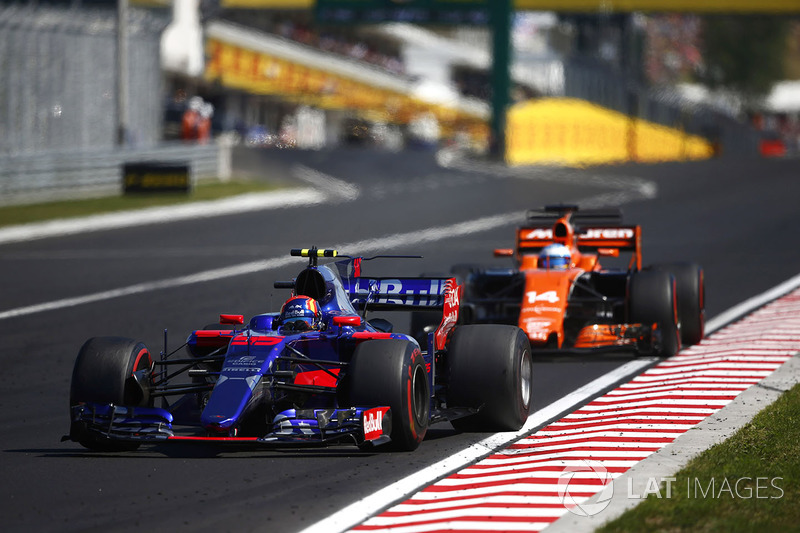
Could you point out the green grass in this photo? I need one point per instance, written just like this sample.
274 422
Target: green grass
23 214
764 450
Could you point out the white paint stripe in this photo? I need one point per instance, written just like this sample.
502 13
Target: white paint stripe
647 380
411 506
713 371
604 407
640 413
729 356
546 486
631 431
527 448
535 455
626 390
361 510
589 436
519 462
624 396
364 246
153 215
496 513
507 527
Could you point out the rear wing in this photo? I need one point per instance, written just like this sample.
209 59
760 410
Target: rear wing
398 294
590 239
591 231
403 294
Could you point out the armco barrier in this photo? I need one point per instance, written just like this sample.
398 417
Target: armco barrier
74 174
574 132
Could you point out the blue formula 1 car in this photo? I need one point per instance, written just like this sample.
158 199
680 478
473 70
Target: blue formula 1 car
315 374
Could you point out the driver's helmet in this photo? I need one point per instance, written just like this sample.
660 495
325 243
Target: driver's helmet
555 257
300 313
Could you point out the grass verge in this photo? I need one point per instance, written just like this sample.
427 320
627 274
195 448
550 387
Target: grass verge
23 214
750 482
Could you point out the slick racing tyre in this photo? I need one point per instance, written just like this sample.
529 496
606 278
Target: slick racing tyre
490 368
392 372
651 299
690 291
104 373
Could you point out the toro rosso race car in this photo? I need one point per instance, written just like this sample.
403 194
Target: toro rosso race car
564 300
315 374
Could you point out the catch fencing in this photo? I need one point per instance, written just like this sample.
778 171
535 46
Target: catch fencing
58 88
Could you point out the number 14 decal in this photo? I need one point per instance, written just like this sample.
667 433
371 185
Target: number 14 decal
549 296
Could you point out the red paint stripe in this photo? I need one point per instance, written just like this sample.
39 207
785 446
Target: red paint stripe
499 494
707 399
527 481
660 440
624 393
677 382
484 505
620 408
617 422
636 411
517 455
487 518
516 469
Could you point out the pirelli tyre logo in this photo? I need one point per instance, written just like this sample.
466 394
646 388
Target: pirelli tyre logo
155 176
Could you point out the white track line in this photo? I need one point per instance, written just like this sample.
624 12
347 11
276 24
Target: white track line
357 247
153 215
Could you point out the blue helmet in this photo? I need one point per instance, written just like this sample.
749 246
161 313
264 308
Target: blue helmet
555 257
300 313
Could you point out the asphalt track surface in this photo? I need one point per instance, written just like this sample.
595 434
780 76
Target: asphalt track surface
736 217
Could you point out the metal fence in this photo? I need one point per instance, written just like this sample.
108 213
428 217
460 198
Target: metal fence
58 82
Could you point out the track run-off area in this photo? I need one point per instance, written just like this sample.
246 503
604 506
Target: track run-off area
136 277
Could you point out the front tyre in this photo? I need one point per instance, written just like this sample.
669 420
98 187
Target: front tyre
110 370
490 368
391 372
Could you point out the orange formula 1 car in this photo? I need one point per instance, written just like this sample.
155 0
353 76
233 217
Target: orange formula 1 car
561 296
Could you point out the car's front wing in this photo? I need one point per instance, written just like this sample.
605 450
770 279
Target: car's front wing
308 428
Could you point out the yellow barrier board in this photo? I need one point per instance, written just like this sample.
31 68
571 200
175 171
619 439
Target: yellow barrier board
261 73
565 131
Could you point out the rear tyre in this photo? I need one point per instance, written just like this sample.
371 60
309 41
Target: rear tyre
104 373
651 299
392 372
691 293
490 367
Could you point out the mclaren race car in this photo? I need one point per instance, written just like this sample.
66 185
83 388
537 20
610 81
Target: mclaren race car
560 295
315 374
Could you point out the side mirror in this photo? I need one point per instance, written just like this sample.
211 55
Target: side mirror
231 319
340 320
503 252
